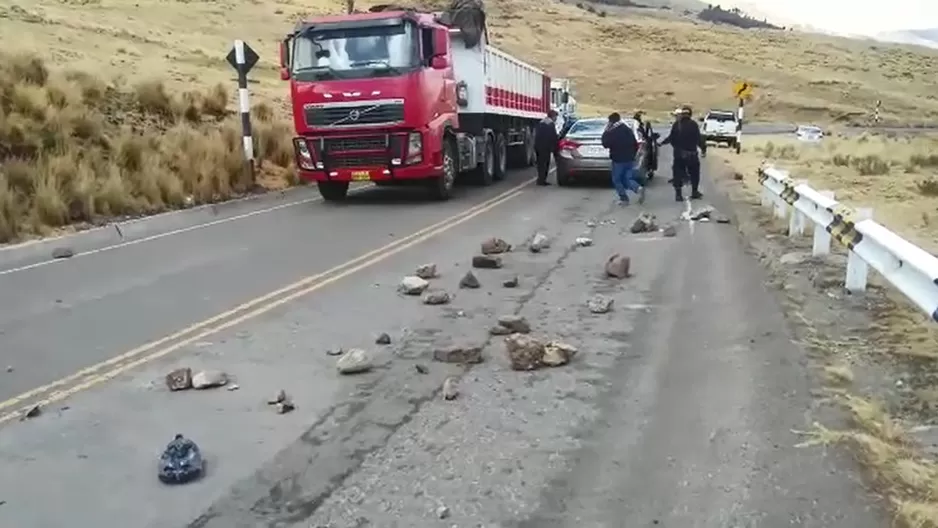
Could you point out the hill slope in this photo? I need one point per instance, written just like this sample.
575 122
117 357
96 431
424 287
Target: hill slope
640 60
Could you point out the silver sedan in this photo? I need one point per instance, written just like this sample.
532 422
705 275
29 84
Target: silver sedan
582 155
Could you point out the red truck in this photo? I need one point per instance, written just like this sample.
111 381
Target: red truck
398 97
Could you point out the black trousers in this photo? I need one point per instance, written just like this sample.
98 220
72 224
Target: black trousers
543 165
686 166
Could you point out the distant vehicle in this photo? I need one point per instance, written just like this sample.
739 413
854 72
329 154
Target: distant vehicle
562 100
809 133
583 156
719 126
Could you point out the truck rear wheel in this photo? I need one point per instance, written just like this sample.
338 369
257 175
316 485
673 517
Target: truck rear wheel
332 191
501 157
485 172
442 186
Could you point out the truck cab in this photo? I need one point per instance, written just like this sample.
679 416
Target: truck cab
398 97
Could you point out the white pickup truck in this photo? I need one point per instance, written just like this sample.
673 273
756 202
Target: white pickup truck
719 126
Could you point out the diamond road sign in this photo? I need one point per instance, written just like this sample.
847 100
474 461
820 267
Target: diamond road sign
250 58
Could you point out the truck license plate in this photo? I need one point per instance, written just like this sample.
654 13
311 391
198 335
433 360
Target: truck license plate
361 175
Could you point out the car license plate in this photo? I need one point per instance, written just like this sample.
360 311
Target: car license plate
595 152
361 175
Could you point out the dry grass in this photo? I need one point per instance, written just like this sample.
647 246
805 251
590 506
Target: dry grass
75 149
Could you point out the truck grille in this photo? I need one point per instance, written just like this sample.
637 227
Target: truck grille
359 161
353 144
354 115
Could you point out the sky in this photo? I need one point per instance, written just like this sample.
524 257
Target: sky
846 16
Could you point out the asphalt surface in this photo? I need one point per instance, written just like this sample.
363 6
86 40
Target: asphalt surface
678 410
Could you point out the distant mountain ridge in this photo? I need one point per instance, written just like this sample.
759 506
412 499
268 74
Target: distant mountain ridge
919 37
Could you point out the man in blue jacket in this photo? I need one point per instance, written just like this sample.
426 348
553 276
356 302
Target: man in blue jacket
623 147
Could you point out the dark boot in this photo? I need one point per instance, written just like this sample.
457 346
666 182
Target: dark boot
695 195
678 195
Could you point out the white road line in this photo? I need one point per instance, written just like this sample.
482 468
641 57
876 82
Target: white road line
163 235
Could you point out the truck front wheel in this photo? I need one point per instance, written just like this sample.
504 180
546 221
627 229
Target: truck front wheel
332 191
442 186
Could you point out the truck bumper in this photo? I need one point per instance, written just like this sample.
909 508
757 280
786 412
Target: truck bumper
375 157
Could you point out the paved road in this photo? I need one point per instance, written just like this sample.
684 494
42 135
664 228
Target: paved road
677 412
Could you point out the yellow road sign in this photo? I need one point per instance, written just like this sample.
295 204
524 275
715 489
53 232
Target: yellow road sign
742 89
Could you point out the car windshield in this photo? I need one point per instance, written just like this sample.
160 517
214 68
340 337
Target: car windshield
722 117
377 51
588 126
810 130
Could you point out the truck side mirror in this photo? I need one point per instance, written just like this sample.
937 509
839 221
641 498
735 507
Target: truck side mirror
565 98
285 58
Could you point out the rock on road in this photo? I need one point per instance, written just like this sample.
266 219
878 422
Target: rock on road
677 411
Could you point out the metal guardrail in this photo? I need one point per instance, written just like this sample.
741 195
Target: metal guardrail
910 269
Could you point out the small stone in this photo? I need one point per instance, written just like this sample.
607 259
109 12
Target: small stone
285 406
179 379
524 352
32 412
557 353
486 262
208 379
354 361
669 231
584 241
495 246
335 351
722 219
645 223
450 388
442 512
599 304
281 396
510 283
9 368
421 369
413 285
437 297
181 462
704 212
499 330
469 280
233 387
458 354
539 243
618 266
591 223
738 176
63 253
383 339
515 323
426 271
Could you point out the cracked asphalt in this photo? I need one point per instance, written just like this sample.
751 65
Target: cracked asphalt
678 411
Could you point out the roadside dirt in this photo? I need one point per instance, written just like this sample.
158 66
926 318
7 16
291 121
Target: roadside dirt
873 354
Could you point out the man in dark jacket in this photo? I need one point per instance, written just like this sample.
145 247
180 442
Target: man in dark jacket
546 143
619 138
685 138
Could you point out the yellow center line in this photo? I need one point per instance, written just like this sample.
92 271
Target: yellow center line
267 302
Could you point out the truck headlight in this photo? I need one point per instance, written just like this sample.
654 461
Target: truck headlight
304 158
414 148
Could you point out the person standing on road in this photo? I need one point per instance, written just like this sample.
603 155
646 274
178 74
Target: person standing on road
619 138
685 138
546 143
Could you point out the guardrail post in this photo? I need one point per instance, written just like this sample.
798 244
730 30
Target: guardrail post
796 221
857 268
766 196
781 207
822 239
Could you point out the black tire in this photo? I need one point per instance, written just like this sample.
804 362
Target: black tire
332 191
485 172
501 158
442 186
563 177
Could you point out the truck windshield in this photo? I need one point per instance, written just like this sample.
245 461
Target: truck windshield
355 53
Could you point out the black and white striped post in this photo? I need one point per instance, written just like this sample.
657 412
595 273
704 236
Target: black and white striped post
242 58
741 90
879 103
